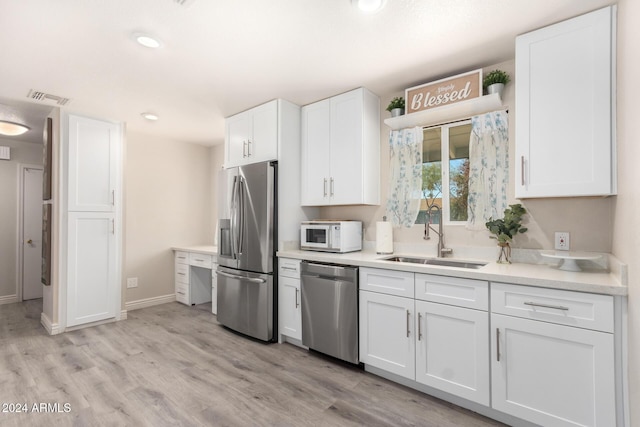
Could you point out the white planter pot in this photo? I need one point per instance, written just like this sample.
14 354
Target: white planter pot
495 88
395 112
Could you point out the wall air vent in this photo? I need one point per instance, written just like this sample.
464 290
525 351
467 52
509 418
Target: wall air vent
47 97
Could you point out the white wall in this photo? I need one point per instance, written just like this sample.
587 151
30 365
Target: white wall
21 152
168 203
626 234
589 220
217 161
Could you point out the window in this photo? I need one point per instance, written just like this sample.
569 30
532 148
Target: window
445 184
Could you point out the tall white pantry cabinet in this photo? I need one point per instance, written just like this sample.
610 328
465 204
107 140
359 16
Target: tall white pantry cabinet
92 184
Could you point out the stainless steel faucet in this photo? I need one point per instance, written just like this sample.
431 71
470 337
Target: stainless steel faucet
442 251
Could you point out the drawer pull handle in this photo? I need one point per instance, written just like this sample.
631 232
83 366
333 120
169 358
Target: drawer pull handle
419 327
556 307
284 267
199 260
181 293
408 313
498 344
182 274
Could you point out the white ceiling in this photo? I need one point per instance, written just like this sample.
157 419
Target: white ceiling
223 56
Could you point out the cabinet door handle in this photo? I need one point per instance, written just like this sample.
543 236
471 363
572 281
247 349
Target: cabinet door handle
408 315
113 197
556 307
297 304
244 148
331 188
419 327
113 226
248 148
522 170
498 344
325 187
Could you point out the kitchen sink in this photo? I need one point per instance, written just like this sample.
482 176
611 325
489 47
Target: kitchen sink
436 261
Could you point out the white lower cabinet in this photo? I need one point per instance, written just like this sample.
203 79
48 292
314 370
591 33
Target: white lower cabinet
544 356
289 299
439 345
387 338
544 370
452 352
91 265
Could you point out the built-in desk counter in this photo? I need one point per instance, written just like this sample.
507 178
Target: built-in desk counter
195 278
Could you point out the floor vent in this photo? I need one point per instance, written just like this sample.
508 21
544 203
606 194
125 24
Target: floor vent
47 97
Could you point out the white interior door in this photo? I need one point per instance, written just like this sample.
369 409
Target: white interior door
31 233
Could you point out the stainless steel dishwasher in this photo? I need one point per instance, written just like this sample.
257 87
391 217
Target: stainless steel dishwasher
330 309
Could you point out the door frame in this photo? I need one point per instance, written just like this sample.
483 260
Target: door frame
22 167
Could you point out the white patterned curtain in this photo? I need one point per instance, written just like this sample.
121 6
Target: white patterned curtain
489 168
405 176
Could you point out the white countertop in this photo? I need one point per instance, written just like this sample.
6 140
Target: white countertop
597 281
206 250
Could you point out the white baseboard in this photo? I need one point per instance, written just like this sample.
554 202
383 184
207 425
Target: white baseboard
123 315
9 299
52 328
149 302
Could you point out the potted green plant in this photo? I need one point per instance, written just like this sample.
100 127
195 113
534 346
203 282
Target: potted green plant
396 106
494 81
505 229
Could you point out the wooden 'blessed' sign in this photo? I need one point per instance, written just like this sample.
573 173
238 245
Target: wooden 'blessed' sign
444 92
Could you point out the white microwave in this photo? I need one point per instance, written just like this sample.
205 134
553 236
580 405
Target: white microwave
331 236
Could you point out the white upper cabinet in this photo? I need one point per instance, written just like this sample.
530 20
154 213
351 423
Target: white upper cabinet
341 150
252 136
93 164
565 108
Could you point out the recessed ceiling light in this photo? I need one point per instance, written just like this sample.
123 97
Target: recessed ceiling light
147 40
369 6
150 116
11 128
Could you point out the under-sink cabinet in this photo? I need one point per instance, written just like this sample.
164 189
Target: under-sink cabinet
405 329
289 300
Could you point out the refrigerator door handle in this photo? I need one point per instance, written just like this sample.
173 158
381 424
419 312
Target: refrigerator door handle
246 279
241 219
234 218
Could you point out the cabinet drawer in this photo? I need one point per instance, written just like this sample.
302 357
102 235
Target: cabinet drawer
390 282
289 267
583 310
182 257
182 273
182 293
467 293
200 260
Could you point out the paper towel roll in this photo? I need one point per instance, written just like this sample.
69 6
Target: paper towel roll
384 237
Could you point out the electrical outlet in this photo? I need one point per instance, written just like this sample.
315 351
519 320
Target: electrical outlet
132 282
562 241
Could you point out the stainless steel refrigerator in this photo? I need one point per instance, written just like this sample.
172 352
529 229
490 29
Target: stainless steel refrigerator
247 236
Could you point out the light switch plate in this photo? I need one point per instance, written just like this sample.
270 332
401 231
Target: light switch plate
562 241
132 282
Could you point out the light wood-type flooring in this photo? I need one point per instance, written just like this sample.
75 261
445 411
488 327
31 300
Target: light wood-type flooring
173 365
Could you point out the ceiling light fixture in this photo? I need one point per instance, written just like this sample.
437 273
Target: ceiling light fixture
369 6
150 116
147 41
12 129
